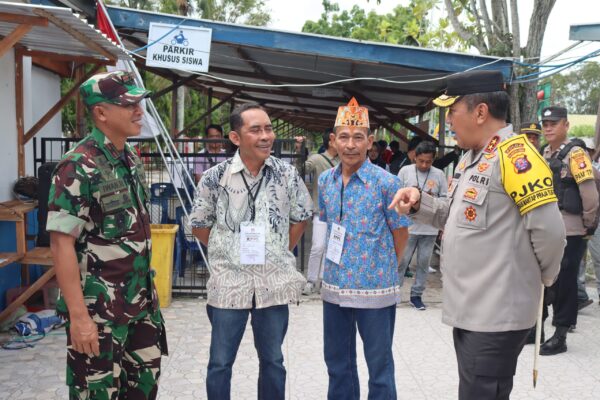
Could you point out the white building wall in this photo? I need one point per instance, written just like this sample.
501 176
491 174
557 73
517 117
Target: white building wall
8 126
41 90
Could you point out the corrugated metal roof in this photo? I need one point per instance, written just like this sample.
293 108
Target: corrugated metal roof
66 33
244 55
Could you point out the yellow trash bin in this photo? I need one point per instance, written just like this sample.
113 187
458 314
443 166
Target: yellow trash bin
163 244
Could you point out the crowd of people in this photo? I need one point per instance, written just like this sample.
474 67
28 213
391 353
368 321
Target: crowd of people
514 218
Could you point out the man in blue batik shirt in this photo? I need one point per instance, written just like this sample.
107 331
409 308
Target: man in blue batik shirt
365 242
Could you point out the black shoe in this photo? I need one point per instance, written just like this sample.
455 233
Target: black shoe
583 304
556 344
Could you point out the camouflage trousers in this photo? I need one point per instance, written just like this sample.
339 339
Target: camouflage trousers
128 366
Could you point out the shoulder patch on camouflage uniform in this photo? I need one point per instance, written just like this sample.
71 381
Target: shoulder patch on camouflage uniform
526 177
580 165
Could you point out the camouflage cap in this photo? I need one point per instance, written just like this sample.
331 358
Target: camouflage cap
117 87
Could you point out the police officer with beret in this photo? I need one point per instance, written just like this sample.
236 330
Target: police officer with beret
578 202
100 240
532 130
503 235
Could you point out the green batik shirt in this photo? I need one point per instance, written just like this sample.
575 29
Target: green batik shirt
102 202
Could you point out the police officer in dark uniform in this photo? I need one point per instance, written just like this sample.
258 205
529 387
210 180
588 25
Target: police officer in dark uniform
578 201
532 130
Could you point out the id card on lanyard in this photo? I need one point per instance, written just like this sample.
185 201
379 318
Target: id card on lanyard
252 236
335 245
252 244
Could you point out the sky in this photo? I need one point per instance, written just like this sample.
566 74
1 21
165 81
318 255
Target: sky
291 15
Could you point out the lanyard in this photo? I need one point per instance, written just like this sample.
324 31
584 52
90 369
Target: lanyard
342 202
417 176
251 196
327 159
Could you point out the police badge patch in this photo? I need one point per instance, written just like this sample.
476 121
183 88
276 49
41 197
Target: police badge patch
521 164
470 213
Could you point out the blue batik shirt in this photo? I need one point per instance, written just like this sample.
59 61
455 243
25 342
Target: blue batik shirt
367 276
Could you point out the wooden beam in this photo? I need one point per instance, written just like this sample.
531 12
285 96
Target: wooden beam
60 68
210 110
23 19
79 106
75 33
259 69
415 129
9 41
394 118
67 58
19 301
20 107
59 104
390 128
172 87
209 98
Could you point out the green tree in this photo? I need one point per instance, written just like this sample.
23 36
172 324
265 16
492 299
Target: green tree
578 90
582 131
496 32
249 12
405 25
148 5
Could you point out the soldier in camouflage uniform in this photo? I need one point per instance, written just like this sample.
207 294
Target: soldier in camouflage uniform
100 238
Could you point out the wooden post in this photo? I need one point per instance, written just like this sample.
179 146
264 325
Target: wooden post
59 105
80 130
37 285
20 107
209 109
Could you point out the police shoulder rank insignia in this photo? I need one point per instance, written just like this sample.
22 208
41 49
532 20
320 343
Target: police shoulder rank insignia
580 165
526 177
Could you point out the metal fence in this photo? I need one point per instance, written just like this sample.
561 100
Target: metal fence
190 273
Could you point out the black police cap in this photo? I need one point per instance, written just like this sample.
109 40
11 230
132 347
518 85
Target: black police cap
471 82
554 113
531 127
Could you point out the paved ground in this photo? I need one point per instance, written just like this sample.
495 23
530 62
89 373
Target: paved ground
425 361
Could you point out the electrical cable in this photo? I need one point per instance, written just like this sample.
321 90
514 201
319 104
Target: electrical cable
322 84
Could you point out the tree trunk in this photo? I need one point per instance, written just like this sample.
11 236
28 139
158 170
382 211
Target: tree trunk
537 27
515 111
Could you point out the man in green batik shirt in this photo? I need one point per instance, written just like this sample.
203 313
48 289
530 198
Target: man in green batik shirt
100 239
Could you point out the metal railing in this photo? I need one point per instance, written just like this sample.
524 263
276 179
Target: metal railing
190 273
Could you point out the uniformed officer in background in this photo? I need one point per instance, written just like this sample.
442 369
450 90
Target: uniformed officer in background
532 130
578 201
503 235
100 239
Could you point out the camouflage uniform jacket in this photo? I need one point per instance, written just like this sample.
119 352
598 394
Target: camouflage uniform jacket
91 199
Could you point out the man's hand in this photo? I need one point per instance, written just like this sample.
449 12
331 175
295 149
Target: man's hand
84 335
405 199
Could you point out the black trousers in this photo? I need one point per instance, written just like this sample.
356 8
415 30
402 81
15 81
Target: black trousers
563 294
487 362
